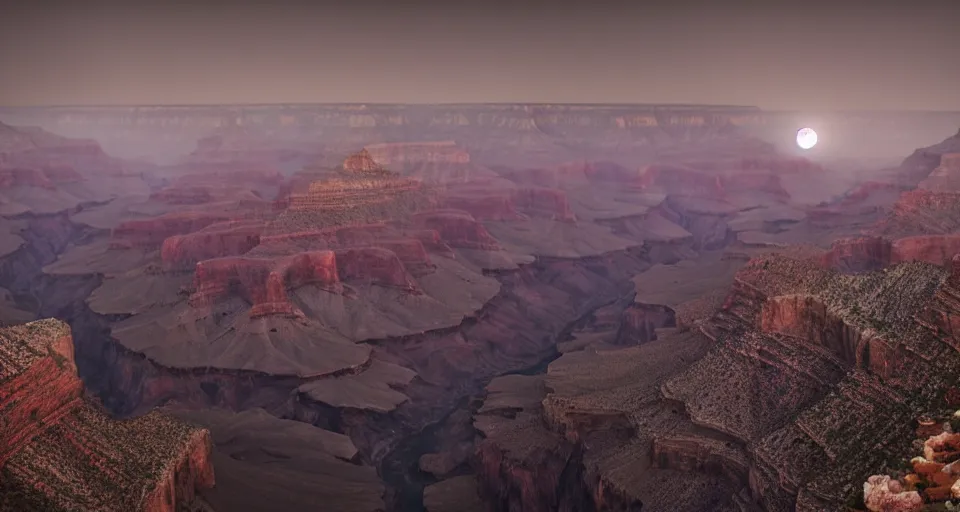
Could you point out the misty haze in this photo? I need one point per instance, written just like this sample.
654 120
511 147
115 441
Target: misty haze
525 257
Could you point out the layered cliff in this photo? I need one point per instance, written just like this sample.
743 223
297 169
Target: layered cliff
62 452
762 406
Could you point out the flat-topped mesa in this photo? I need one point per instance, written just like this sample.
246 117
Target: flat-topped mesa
458 229
151 233
59 452
263 282
232 238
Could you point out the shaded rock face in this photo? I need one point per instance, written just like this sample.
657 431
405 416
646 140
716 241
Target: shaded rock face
697 455
61 452
546 480
458 229
640 321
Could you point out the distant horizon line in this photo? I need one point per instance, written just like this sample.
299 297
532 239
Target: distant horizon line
463 104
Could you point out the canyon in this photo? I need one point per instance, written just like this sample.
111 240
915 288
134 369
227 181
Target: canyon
504 307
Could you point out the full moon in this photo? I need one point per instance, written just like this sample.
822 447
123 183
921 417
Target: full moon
806 138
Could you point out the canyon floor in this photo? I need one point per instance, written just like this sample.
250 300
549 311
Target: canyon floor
489 308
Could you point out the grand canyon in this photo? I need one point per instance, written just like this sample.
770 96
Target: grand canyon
497 307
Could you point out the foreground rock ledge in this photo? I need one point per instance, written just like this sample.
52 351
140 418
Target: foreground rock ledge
60 451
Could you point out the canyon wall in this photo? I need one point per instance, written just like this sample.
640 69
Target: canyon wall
62 452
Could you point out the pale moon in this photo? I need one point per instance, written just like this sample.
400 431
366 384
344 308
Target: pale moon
806 138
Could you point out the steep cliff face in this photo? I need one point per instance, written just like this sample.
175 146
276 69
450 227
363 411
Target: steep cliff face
182 252
62 452
765 404
263 282
458 228
151 233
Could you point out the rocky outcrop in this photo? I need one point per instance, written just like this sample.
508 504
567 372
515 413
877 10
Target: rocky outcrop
859 254
375 264
874 252
151 233
62 452
183 252
639 322
263 282
458 229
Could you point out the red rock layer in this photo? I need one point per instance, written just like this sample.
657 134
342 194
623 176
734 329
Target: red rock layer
409 246
192 470
60 452
458 228
262 281
151 233
35 398
337 195
381 266
362 162
183 252
874 252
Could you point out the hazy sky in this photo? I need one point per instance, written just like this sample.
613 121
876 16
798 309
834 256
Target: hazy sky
887 54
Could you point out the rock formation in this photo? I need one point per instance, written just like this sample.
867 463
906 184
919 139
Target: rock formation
364 299
62 452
